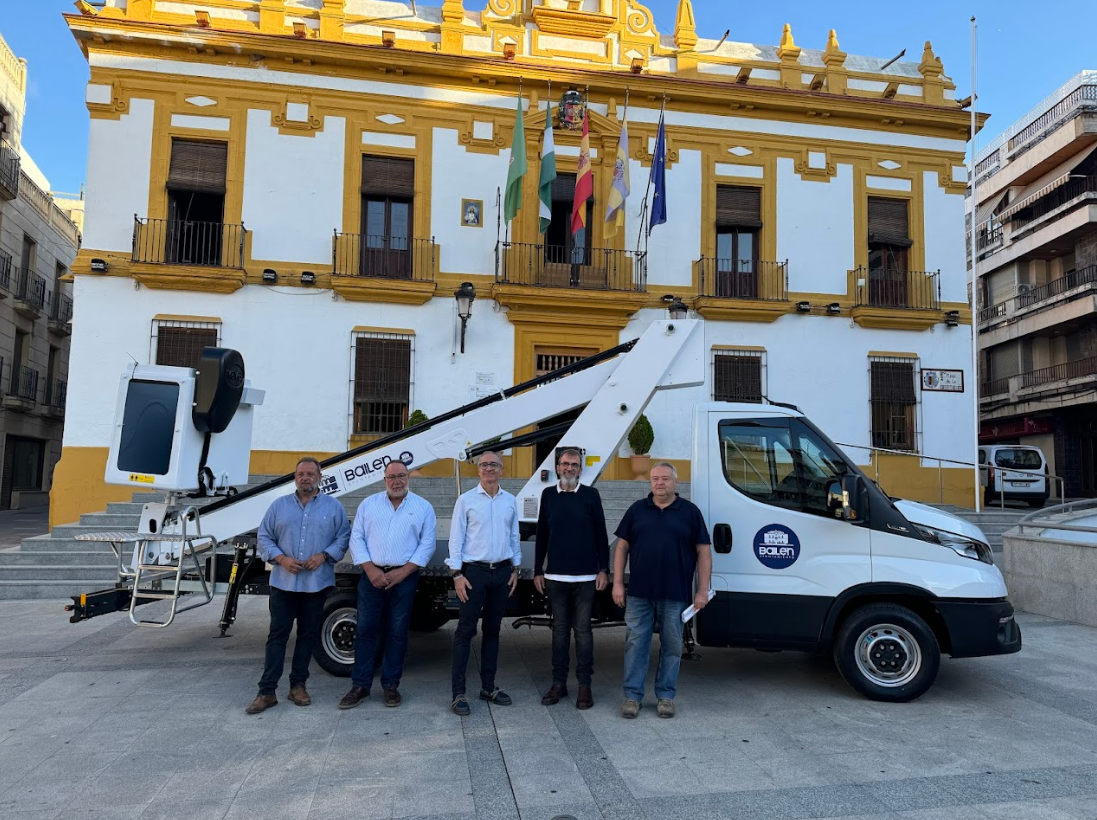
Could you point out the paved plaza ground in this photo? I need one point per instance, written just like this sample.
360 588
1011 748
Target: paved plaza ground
102 719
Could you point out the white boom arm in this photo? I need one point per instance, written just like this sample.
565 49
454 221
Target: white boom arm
670 354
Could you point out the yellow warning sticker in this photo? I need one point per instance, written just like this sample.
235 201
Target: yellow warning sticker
142 479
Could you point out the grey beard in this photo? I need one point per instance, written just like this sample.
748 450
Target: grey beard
569 483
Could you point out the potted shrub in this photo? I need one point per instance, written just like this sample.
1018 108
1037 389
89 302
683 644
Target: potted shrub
640 439
415 417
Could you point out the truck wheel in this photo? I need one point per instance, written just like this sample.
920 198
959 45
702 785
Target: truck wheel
887 652
335 649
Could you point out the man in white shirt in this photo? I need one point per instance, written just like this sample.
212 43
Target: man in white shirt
484 555
393 536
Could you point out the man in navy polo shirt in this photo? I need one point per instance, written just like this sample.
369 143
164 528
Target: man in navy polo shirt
668 542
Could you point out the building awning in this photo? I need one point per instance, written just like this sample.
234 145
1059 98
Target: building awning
987 208
1043 186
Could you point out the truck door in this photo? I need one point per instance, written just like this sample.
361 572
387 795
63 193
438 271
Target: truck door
781 553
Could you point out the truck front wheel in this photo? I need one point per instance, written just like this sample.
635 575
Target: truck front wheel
887 652
335 649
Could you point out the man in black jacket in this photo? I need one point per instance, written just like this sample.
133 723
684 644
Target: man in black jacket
571 532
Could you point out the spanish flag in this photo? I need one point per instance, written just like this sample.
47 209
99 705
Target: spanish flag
584 181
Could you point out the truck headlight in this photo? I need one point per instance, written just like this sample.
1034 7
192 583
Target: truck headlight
960 544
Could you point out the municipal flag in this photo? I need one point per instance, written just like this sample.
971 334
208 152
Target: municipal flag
584 181
548 173
517 170
619 190
659 178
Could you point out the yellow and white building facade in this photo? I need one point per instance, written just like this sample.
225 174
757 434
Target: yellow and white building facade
310 181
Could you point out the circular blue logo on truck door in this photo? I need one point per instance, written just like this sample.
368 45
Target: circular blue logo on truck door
776 546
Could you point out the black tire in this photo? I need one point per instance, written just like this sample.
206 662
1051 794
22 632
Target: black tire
887 652
1037 503
335 649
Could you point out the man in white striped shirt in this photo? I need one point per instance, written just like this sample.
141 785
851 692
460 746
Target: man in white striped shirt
484 555
393 536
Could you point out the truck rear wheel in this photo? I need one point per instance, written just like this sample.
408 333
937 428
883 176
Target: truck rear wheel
335 649
887 652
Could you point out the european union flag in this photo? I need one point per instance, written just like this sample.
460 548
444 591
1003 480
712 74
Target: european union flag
659 178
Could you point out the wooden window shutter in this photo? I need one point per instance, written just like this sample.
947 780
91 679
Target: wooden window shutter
737 378
738 206
198 166
888 221
893 382
388 177
382 370
563 188
182 346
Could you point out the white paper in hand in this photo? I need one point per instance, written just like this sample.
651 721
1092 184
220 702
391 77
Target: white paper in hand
691 610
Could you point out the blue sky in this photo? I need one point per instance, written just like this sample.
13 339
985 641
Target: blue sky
1026 50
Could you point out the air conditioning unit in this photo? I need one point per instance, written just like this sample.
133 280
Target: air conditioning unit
1023 288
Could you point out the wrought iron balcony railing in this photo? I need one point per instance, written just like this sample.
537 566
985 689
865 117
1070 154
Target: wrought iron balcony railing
1059 372
24 382
58 392
1034 297
384 257
5 270
994 387
181 242
61 308
1074 190
9 171
31 288
743 279
898 289
560 266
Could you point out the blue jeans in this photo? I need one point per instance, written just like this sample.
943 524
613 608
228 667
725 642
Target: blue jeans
640 617
382 614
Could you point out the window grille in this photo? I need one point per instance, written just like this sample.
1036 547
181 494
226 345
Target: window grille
737 375
382 382
180 344
548 362
893 399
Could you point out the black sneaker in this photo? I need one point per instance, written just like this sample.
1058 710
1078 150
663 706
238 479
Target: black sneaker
460 705
498 697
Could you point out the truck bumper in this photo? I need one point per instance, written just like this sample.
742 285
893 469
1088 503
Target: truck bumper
980 627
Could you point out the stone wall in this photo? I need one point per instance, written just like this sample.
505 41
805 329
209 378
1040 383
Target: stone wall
1052 578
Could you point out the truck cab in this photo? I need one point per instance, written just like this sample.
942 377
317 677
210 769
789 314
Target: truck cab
810 554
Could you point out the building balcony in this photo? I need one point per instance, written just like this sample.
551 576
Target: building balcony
1075 192
558 266
903 299
56 394
366 268
741 290
9 171
1036 309
1045 388
188 244
5 274
30 294
22 389
60 315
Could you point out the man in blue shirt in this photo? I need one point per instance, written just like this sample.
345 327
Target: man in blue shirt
666 541
393 536
304 535
484 555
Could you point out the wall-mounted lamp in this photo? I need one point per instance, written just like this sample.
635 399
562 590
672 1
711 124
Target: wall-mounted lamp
300 30
834 309
952 318
509 51
465 295
202 17
803 307
677 309
270 276
308 277
637 65
388 38
99 266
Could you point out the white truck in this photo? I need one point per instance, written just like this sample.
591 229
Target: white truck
808 553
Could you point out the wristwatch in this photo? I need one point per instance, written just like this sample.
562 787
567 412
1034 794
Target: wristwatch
457 575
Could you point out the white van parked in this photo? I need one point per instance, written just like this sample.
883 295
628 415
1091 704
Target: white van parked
1016 472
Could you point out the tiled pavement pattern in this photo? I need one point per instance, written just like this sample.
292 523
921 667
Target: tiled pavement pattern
104 720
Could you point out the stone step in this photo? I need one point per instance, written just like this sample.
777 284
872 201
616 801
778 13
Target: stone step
102 575
109 521
51 588
21 557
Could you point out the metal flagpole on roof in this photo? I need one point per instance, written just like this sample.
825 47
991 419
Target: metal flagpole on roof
644 207
974 277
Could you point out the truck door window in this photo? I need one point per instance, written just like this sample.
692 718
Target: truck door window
818 465
758 461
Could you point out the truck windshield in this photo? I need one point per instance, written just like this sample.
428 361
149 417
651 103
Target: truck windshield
1018 459
780 461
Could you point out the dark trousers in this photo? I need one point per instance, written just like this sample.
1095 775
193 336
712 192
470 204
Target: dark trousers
487 598
307 609
571 607
383 618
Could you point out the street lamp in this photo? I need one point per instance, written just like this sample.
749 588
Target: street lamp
678 309
464 296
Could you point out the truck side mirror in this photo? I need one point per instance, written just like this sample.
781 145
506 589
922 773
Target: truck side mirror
854 498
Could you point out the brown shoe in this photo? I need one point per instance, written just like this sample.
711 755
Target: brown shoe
261 704
554 694
299 695
356 695
392 697
585 699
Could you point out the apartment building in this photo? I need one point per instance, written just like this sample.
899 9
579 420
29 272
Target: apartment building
1036 283
312 183
38 243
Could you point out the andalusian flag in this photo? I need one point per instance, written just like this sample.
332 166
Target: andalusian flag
584 182
517 170
619 190
548 172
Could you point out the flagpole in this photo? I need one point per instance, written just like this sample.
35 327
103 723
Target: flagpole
647 190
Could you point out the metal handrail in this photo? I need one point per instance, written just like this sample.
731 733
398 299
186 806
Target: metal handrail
1047 516
897 288
941 461
755 280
